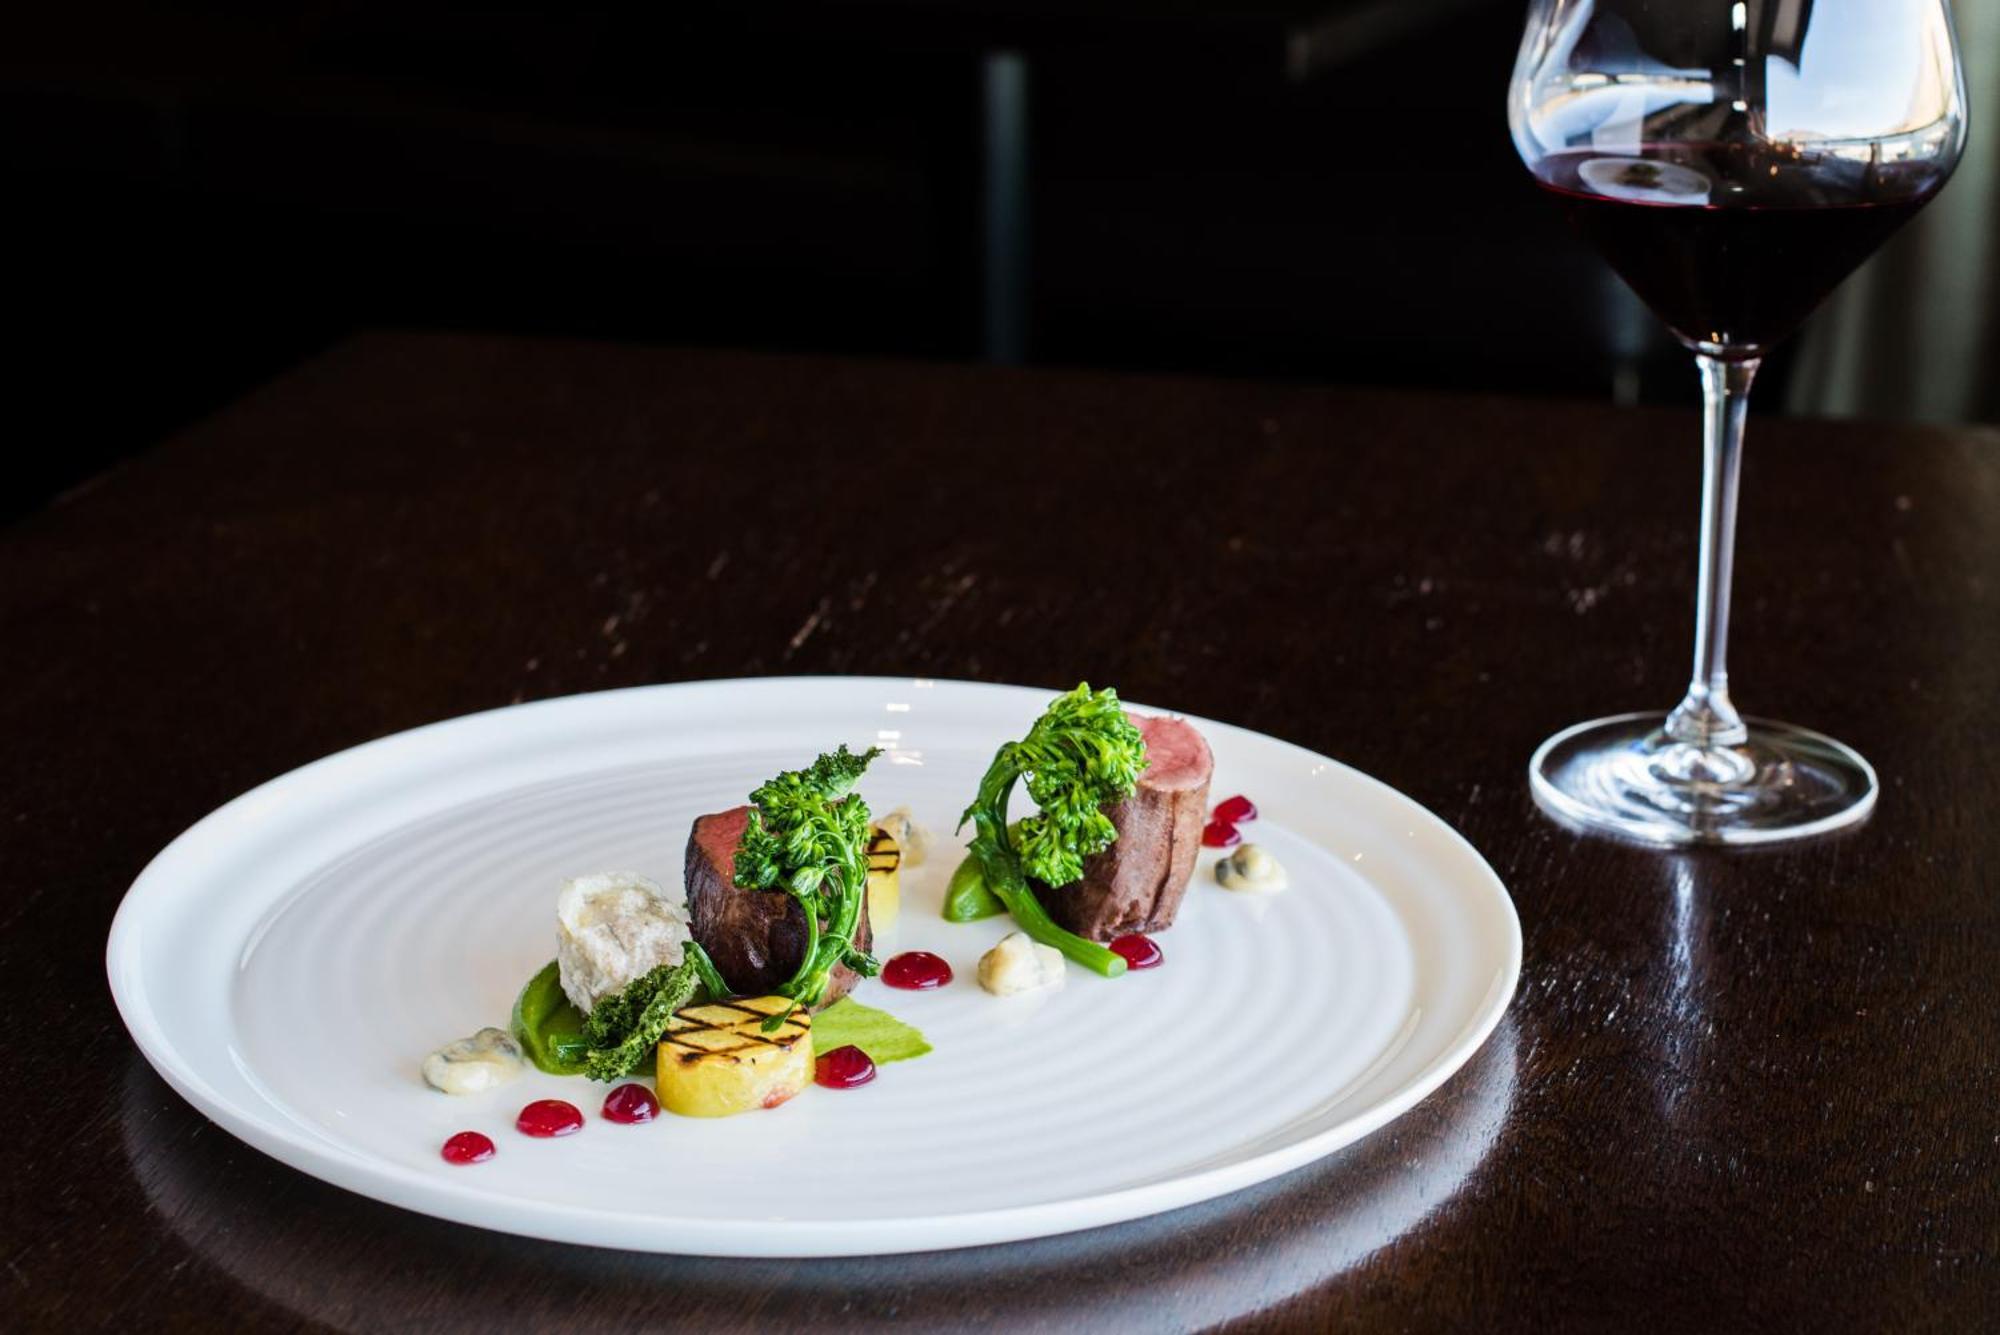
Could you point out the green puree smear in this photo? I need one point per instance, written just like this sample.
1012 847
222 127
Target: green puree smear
879 1034
548 1028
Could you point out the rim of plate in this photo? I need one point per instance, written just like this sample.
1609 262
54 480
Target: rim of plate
694 1235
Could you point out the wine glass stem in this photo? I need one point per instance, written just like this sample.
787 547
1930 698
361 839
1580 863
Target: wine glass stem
1705 718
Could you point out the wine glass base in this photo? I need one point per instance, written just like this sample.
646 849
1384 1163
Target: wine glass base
1624 776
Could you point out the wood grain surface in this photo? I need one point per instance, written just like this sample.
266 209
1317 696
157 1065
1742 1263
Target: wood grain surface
1736 1091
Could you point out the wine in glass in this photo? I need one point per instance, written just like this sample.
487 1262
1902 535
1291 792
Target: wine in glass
1733 160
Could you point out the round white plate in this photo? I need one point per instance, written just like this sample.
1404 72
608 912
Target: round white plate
287 963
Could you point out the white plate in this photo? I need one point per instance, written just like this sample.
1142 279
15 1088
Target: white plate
287 963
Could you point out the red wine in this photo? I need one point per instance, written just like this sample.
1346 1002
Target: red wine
1733 244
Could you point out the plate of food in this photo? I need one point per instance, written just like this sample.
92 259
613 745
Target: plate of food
812 966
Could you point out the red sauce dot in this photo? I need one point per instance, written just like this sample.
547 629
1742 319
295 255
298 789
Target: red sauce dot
1139 951
844 1068
467 1147
629 1104
916 971
549 1117
1221 834
1236 810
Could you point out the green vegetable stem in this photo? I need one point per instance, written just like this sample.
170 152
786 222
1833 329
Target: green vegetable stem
710 976
808 836
1081 755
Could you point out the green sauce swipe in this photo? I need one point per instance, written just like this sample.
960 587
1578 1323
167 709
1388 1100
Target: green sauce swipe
548 1028
879 1034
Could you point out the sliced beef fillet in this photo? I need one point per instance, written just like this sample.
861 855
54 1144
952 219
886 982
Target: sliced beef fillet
755 937
1136 884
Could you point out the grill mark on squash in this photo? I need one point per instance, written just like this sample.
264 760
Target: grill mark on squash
728 1032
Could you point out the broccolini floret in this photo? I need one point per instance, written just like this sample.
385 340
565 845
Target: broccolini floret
1081 755
808 836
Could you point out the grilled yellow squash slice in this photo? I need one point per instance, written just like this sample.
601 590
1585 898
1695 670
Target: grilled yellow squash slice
885 896
717 1059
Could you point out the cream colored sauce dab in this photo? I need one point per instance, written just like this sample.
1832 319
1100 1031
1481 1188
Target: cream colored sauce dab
486 1060
1250 870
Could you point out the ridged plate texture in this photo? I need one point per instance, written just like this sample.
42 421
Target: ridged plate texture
288 962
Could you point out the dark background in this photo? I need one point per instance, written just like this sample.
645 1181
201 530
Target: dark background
200 196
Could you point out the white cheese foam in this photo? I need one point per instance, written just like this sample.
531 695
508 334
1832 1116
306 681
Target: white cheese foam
614 927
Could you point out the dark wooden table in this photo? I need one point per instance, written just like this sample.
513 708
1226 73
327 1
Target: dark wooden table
1735 1091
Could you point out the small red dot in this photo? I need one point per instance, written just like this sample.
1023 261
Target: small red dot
549 1117
916 971
1138 950
467 1147
844 1068
631 1104
1236 810
1221 834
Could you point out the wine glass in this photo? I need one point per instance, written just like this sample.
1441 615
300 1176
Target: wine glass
1733 160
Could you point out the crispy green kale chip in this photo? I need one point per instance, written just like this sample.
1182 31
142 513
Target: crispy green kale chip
626 1026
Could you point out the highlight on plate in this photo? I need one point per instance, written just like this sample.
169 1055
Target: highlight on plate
732 992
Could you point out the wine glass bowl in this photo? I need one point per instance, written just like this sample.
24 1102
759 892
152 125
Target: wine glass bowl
1733 161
